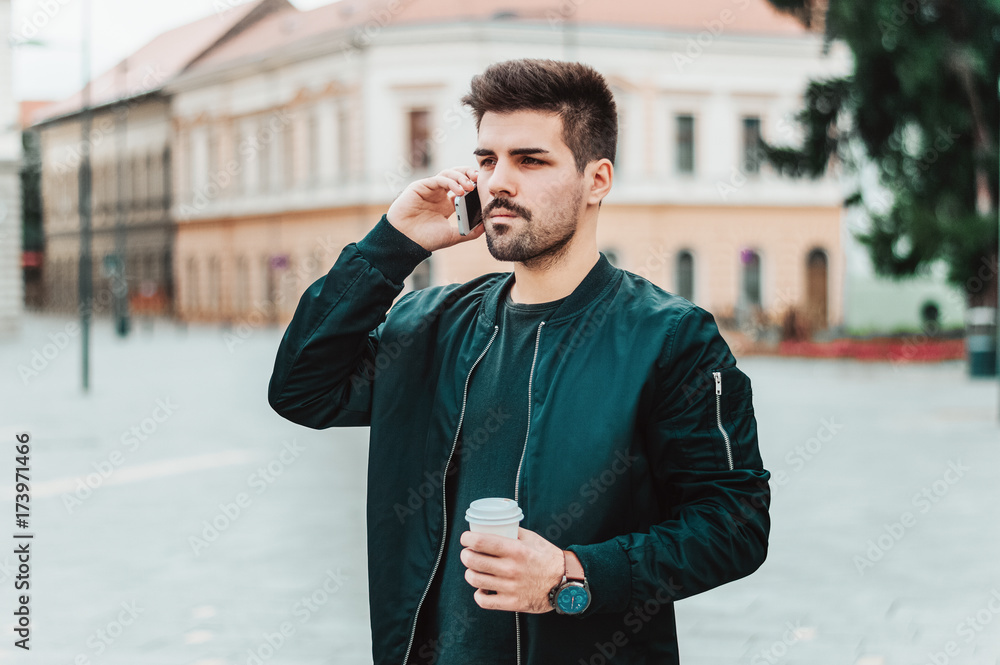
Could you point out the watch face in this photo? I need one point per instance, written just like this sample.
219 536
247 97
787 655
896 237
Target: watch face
573 599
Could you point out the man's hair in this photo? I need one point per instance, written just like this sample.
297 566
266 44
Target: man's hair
576 92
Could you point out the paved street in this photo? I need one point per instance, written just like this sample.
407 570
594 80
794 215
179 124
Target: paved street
179 521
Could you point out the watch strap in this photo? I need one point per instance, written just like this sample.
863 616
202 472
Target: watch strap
573 568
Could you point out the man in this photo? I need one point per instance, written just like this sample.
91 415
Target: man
609 409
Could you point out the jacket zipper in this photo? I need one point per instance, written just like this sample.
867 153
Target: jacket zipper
444 498
517 481
718 417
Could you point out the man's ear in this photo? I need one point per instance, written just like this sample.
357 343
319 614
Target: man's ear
599 175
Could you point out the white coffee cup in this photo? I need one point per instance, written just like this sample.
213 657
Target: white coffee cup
494 515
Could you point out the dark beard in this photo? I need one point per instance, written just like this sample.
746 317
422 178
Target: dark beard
533 252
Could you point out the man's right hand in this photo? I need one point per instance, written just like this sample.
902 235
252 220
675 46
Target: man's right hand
422 211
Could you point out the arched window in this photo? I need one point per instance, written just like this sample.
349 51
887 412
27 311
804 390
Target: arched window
684 279
241 289
816 288
214 285
192 285
751 292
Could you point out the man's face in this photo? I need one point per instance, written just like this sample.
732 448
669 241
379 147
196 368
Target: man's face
531 192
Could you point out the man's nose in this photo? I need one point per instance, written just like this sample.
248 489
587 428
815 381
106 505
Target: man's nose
503 180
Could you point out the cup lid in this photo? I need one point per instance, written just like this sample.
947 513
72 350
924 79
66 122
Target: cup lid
494 511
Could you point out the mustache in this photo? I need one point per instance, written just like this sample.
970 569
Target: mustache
507 205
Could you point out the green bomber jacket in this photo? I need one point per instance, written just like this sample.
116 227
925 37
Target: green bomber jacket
641 454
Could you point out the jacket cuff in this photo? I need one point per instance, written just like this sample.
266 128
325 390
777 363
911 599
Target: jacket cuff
390 252
609 575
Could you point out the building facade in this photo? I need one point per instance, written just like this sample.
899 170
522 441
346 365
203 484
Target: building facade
129 141
293 139
11 282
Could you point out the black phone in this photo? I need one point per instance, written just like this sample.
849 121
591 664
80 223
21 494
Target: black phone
469 211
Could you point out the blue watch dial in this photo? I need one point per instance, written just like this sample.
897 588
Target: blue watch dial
572 599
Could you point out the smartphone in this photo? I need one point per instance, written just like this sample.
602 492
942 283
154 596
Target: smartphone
469 211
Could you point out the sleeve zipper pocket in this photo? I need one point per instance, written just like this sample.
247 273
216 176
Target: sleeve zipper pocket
718 417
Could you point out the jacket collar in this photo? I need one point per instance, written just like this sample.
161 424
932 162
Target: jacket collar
599 277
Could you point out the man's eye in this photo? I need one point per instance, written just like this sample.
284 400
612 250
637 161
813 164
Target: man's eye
487 161
531 160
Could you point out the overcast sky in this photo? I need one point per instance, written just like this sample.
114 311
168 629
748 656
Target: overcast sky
118 27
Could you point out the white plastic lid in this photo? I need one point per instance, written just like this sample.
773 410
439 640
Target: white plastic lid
494 511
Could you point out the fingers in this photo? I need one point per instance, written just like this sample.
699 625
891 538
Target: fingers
486 563
456 181
488 543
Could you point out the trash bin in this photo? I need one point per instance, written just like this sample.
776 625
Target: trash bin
981 340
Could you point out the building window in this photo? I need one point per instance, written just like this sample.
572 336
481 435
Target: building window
685 144
264 158
212 162
192 285
214 285
312 148
816 288
685 275
343 141
242 286
288 166
752 151
751 278
420 138
237 156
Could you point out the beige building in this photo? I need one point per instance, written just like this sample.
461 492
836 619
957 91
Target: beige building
294 137
131 177
291 136
11 284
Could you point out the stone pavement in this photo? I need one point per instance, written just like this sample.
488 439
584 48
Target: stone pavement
179 521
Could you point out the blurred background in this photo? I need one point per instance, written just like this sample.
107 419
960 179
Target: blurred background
823 178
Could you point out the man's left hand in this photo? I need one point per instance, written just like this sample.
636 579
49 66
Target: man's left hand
521 572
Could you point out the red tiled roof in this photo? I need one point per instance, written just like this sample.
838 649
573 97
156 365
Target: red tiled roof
153 65
283 28
218 39
28 108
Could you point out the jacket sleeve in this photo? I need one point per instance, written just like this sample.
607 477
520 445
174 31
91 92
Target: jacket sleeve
323 370
704 458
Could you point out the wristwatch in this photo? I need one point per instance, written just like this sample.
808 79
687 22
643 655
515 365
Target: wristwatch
572 594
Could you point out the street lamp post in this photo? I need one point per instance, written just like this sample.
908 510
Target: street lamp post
86 259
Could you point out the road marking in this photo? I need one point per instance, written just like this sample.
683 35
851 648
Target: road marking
133 474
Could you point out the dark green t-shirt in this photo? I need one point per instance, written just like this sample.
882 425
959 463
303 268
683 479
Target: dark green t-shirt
453 629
